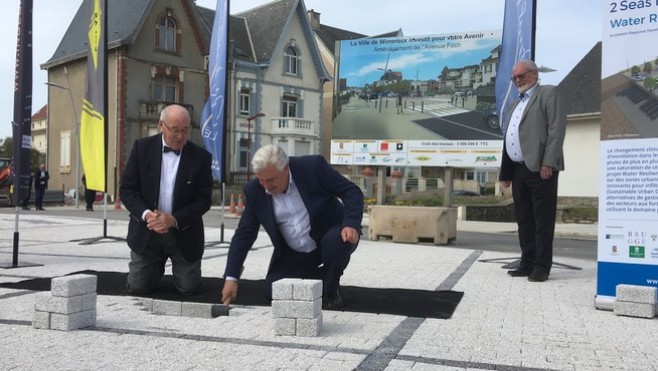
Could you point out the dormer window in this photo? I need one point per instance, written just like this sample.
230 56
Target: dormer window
292 61
168 34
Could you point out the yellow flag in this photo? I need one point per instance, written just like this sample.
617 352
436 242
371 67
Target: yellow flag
93 125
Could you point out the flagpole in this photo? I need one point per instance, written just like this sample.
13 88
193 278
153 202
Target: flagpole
102 49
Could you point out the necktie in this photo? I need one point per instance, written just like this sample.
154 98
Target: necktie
175 151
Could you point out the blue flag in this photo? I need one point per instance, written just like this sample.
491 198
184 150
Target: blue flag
212 117
517 46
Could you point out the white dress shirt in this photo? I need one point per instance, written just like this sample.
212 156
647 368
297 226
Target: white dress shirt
512 140
292 218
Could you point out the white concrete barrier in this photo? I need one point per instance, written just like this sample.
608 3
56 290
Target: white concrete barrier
413 224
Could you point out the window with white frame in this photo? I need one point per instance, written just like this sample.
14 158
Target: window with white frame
244 101
65 151
291 60
289 106
167 34
164 89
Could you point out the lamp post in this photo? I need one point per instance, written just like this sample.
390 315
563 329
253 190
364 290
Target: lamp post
75 134
249 119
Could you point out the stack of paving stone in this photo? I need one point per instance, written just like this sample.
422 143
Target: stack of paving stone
70 304
635 301
185 309
297 307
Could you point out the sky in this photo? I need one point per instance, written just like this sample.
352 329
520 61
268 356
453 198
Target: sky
565 31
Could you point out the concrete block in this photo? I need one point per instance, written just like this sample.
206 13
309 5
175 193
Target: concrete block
413 224
167 308
57 304
309 327
629 309
218 310
636 294
282 289
284 326
41 320
146 303
77 284
68 322
296 309
89 301
307 290
200 310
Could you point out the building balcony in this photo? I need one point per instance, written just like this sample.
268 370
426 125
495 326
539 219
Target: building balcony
294 126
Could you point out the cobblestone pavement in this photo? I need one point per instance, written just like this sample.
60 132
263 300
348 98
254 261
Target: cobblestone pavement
502 323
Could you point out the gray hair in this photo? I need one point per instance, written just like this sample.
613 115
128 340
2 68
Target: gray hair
529 64
181 109
269 154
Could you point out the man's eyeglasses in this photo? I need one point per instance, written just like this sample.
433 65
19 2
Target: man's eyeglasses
176 131
519 76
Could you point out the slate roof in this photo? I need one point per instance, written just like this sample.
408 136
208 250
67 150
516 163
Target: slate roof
581 87
124 20
329 35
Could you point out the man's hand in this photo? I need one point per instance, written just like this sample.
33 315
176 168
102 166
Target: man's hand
229 292
159 222
545 172
505 183
349 234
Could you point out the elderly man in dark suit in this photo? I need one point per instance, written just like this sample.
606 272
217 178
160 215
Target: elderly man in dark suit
531 161
166 186
311 213
41 177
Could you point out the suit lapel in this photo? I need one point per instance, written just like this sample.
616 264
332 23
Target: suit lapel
184 163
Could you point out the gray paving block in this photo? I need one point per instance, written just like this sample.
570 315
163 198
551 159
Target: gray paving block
200 310
41 320
45 302
307 290
284 326
219 310
282 289
296 308
77 284
146 303
89 301
309 327
636 294
68 322
167 308
630 309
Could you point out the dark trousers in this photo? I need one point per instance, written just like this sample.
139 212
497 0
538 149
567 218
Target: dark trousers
535 204
90 197
146 269
325 263
38 197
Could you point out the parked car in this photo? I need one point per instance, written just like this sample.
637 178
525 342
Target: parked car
491 118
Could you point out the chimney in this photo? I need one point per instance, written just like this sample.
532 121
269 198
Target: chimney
314 18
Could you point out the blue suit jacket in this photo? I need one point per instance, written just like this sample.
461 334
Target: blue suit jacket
321 188
140 190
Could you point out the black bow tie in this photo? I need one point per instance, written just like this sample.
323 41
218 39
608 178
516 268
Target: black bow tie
168 149
521 96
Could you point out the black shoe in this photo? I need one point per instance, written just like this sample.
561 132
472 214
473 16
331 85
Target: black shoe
332 301
537 276
521 272
26 208
90 209
42 209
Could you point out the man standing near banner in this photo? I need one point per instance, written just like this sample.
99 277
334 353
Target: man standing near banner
531 160
166 186
41 177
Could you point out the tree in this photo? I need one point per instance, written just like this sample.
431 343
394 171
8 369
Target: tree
648 67
635 70
7 149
